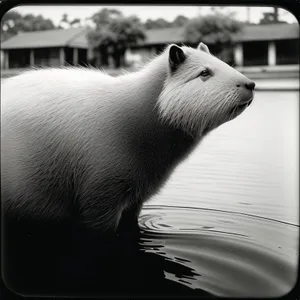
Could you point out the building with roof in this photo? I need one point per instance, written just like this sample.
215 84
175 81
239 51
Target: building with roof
268 45
259 47
46 48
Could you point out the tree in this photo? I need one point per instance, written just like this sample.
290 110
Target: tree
8 25
104 16
216 30
160 23
35 23
66 23
13 23
113 34
157 24
180 21
100 38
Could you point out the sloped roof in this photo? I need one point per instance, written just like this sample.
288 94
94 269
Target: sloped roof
76 37
165 35
261 32
72 37
268 32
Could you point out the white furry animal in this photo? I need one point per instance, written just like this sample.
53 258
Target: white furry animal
78 144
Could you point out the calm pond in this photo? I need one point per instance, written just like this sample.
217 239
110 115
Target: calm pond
227 220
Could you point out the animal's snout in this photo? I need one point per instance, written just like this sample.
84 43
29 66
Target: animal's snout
250 85
246 92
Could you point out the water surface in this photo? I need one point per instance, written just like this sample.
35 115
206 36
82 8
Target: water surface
229 213
225 224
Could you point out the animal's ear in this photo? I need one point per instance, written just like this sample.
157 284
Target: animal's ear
203 47
176 57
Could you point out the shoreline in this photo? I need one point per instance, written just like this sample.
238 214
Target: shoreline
264 81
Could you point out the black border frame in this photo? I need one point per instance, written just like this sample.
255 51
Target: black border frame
292 6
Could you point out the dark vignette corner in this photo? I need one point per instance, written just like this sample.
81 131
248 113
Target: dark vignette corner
293 6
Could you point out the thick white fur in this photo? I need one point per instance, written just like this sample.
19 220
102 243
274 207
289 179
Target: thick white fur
195 104
81 130
73 119
203 47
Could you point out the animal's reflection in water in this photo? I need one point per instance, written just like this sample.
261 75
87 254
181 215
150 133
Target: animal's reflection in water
63 261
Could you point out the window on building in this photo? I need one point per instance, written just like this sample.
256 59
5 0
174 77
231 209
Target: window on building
69 56
255 53
46 57
287 52
82 57
19 58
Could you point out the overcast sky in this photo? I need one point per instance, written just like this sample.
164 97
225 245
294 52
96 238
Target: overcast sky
147 11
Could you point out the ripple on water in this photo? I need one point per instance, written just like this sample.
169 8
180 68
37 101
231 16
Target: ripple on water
226 253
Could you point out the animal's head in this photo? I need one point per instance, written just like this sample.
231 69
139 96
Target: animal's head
202 92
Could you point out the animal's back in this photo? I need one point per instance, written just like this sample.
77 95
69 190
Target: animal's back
51 120
47 90
105 143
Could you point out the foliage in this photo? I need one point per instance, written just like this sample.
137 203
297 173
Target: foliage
65 22
157 24
162 23
114 33
180 21
13 23
215 29
104 16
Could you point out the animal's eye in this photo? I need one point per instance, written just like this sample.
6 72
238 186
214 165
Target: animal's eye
204 73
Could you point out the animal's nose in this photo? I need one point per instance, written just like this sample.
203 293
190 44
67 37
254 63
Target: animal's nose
250 85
